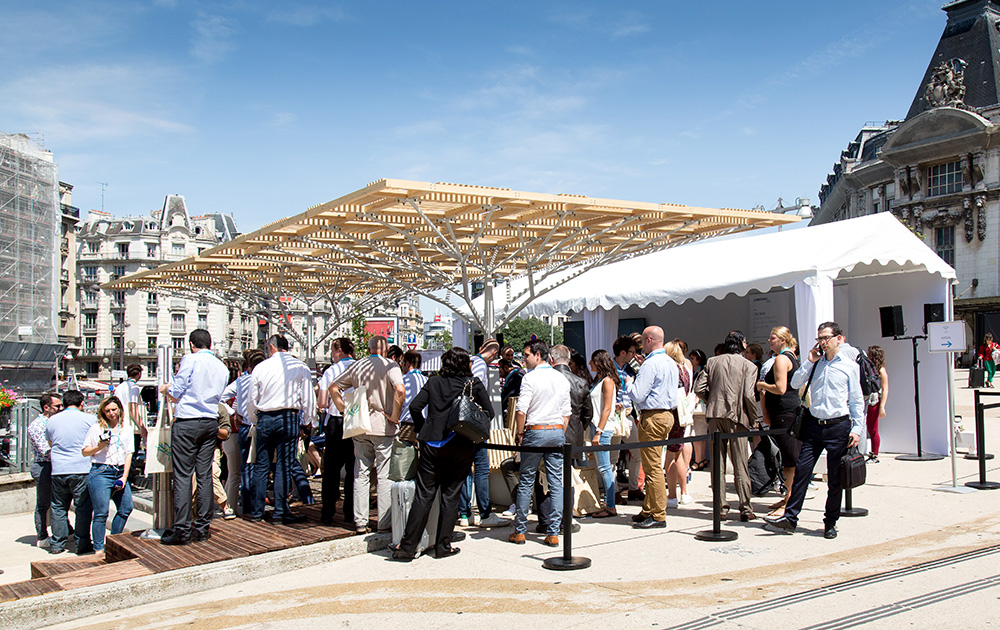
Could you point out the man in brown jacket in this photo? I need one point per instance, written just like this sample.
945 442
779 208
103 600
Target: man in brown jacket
727 387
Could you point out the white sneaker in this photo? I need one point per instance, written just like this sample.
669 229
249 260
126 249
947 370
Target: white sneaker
228 514
44 543
685 499
494 520
510 512
463 521
671 503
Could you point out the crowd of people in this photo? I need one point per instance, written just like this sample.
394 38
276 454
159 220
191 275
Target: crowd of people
273 425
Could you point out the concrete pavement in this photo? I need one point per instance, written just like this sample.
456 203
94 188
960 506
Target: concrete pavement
921 557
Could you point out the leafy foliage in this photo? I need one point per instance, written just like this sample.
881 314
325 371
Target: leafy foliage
519 331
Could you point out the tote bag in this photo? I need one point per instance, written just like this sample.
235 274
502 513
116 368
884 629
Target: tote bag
158 443
357 421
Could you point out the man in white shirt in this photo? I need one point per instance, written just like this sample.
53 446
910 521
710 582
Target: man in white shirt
196 389
135 412
543 411
41 468
240 391
338 452
282 399
383 381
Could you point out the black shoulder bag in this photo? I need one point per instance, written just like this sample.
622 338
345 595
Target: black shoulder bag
800 414
467 418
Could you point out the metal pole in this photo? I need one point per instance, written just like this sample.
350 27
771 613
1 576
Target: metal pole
567 561
982 484
717 534
920 456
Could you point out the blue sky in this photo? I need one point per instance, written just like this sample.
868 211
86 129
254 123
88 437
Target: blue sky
263 109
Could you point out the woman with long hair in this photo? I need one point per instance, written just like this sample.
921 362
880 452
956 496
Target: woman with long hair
698 361
109 446
985 353
780 404
877 410
445 457
678 455
603 394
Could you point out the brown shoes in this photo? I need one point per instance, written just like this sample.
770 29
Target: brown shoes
552 541
517 539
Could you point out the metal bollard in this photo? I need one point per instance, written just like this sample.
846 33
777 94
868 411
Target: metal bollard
982 484
567 561
717 534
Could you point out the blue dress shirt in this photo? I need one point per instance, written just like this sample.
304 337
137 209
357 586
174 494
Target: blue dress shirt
198 385
835 390
655 386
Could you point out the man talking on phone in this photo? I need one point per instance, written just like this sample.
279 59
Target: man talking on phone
834 421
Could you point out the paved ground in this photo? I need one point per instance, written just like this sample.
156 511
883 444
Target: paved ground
922 557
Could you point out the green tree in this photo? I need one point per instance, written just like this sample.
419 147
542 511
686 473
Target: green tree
519 331
359 336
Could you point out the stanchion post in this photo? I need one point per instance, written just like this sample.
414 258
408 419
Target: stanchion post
849 509
982 484
717 534
567 562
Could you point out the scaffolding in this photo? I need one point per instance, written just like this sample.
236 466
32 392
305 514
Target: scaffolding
29 238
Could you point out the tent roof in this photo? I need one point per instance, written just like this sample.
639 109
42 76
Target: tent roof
417 237
843 249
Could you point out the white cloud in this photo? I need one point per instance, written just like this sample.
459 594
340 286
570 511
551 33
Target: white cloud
81 103
212 39
282 119
303 15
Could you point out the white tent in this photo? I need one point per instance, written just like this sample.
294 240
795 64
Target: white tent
842 271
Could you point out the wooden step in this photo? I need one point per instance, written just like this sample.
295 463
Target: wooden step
51 568
102 574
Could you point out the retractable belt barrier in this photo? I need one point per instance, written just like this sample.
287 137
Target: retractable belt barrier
568 561
982 484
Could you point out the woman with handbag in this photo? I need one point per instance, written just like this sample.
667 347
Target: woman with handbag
605 421
877 410
780 405
679 455
987 352
445 456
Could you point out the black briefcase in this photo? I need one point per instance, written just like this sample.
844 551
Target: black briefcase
853 471
977 377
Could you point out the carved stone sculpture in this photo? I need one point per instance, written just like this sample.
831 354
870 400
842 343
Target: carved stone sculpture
946 87
981 215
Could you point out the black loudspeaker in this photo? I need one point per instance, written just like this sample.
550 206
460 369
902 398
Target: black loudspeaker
892 320
933 313
477 342
500 339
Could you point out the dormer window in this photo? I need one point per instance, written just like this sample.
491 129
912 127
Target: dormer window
944 179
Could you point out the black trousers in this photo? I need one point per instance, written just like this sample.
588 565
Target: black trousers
192 446
815 438
443 468
336 453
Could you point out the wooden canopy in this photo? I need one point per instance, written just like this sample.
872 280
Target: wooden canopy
398 237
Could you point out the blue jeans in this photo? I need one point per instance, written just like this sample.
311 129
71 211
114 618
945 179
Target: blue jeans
246 470
277 433
480 474
553 472
100 482
607 471
68 489
41 472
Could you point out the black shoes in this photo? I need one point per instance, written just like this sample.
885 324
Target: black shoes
640 517
780 524
400 556
450 551
543 529
292 519
746 517
172 537
636 495
830 532
650 523
198 537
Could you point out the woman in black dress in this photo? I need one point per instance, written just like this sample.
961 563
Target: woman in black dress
445 457
780 404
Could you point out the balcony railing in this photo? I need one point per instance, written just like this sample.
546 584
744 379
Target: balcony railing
72 211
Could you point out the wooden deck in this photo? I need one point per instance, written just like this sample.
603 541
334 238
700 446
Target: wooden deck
128 556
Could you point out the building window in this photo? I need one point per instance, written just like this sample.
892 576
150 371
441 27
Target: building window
90 345
151 368
123 250
94 247
178 343
119 298
178 249
118 320
90 321
118 272
203 322
151 299
93 368
944 179
151 323
177 322
151 343
945 245
90 274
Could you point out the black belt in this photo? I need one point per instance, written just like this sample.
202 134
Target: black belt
822 422
277 411
215 419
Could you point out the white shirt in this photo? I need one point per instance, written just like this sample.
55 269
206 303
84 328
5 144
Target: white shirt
331 375
413 381
128 392
120 446
282 382
480 370
544 396
198 385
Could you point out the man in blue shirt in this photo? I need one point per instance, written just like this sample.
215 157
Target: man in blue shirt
196 390
834 421
654 392
66 432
